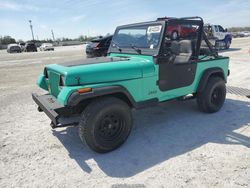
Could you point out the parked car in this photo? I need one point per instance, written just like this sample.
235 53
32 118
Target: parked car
237 34
47 47
14 48
143 69
30 47
245 33
176 31
223 37
22 45
98 47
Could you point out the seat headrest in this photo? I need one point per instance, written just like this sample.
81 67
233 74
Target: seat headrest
186 46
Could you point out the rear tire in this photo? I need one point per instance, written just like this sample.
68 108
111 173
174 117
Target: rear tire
212 98
105 124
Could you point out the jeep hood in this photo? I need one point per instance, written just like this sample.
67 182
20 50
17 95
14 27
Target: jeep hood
101 70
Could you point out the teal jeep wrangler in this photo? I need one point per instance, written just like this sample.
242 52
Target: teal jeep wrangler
144 67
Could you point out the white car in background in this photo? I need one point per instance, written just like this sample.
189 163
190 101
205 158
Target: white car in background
14 48
47 47
245 33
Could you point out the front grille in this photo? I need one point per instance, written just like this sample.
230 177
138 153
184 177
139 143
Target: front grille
54 80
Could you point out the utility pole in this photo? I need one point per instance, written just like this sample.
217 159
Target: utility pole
31 28
53 35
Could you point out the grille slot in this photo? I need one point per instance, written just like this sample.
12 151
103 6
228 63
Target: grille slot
54 79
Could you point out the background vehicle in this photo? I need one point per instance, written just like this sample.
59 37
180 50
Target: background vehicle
245 33
98 47
236 34
223 38
174 31
22 44
47 47
14 48
144 68
30 47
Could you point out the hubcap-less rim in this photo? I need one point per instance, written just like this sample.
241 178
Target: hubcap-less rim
216 97
110 127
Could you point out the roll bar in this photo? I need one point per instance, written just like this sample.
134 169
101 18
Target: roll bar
183 18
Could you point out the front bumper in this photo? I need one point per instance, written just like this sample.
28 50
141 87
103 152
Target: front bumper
59 114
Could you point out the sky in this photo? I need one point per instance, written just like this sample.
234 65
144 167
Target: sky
72 18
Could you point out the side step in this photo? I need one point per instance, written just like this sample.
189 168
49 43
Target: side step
187 97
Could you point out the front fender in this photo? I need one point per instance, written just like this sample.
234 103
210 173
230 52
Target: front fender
75 98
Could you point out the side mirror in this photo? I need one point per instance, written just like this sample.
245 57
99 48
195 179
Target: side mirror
226 30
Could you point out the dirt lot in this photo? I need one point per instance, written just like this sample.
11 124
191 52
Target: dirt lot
173 145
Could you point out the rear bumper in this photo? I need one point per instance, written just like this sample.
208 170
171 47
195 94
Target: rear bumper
58 113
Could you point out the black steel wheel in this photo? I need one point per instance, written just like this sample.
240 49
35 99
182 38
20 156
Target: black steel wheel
105 124
110 127
212 98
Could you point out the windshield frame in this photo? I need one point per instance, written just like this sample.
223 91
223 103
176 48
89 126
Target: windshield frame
130 50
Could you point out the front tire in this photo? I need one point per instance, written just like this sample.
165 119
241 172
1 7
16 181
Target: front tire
105 124
212 98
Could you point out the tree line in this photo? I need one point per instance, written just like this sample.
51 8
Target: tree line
5 40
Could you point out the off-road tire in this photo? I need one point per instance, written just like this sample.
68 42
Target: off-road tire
105 124
212 98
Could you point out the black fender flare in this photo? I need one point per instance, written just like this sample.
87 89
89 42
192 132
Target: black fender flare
216 71
75 98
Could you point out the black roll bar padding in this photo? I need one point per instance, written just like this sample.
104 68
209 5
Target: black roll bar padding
195 20
201 34
182 18
190 18
213 52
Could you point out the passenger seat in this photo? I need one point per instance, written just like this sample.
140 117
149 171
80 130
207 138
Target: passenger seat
185 52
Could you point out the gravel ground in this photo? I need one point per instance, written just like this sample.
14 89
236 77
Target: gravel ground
172 145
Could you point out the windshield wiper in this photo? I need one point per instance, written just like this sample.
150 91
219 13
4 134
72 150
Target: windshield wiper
138 50
117 46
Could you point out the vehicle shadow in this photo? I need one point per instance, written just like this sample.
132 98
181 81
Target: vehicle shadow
161 133
229 50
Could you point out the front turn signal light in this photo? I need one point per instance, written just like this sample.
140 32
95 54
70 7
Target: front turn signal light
85 90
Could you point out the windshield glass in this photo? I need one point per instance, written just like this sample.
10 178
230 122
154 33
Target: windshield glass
145 37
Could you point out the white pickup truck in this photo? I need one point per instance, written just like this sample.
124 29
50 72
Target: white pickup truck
223 39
